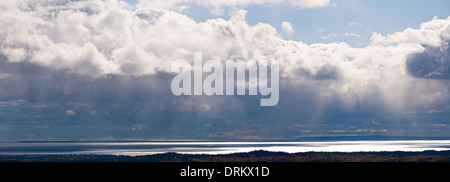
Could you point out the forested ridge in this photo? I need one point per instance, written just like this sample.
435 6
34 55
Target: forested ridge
254 156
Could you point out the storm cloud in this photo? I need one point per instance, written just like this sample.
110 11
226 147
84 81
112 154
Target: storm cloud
432 63
100 69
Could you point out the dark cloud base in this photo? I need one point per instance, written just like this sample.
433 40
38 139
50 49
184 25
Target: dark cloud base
42 103
433 63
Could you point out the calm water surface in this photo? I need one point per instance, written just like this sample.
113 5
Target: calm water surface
208 147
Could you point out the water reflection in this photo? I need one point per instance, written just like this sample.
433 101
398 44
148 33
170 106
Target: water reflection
188 147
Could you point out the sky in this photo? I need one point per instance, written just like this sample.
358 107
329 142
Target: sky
101 70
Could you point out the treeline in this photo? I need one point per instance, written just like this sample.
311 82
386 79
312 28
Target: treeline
255 156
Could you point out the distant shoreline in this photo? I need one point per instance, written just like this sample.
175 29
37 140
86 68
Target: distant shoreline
254 156
299 139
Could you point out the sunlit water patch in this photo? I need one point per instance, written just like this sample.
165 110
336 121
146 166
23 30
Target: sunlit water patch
206 147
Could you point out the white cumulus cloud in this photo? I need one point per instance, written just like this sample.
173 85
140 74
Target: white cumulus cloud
287 27
430 33
216 6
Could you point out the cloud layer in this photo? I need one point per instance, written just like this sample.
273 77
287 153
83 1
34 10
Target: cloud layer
93 60
218 6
